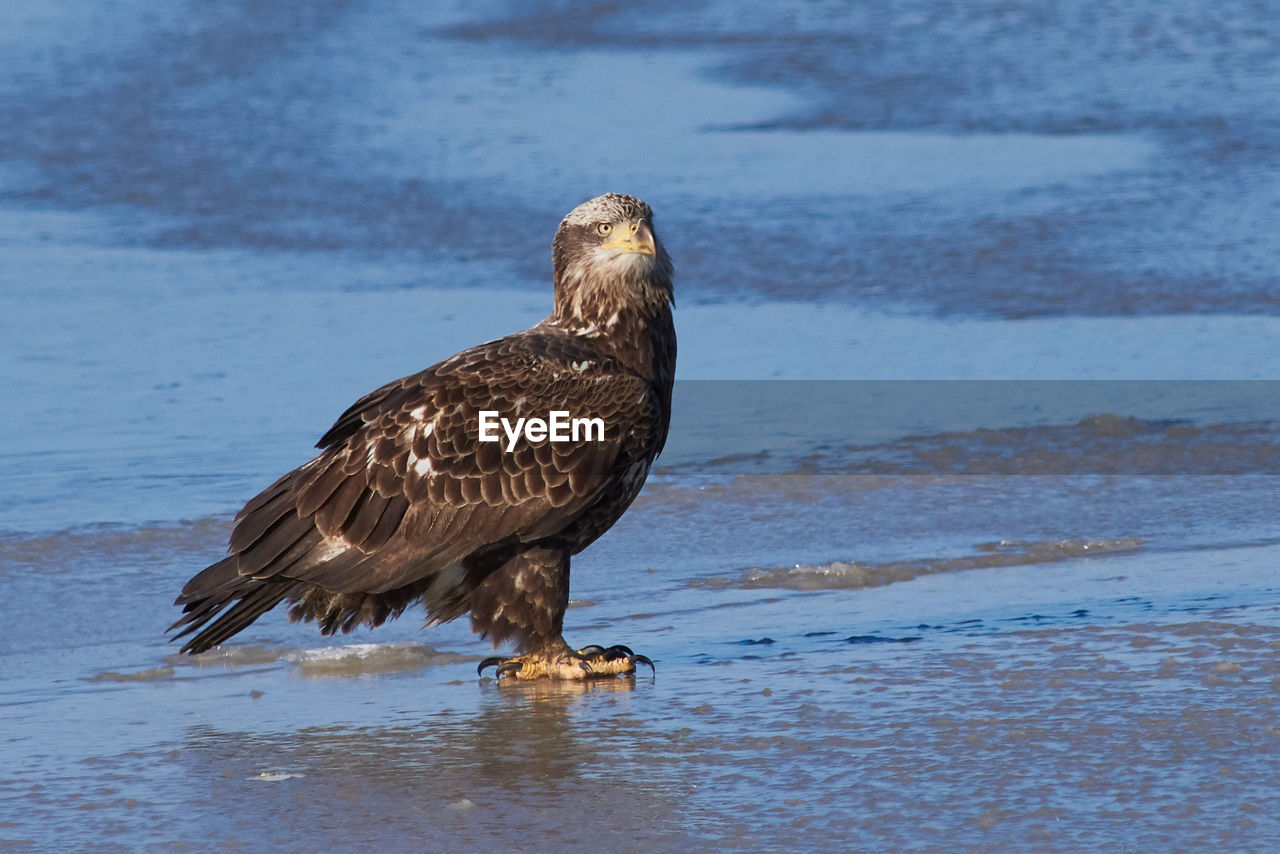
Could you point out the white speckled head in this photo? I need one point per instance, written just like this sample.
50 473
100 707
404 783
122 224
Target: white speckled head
607 254
611 207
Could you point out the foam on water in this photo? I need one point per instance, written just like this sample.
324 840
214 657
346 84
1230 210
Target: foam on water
847 575
151 673
368 658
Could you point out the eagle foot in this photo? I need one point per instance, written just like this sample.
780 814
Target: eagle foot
590 662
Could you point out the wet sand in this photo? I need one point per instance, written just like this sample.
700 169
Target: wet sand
1044 697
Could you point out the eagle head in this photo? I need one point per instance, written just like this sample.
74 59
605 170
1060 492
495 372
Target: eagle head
608 257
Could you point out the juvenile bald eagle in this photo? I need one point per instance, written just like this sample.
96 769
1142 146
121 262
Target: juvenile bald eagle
406 504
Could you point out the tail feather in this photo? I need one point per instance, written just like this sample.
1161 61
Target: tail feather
210 592
256 599
210 581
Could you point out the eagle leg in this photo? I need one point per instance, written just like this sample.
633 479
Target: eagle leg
524 601
560 662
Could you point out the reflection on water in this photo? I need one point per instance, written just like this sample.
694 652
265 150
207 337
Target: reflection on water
533 766
1062 737
1122 695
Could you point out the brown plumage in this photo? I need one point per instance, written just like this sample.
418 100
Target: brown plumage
405 504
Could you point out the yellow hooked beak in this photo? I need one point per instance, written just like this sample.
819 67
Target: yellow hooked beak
638 238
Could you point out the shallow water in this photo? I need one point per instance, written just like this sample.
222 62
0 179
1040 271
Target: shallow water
1000 574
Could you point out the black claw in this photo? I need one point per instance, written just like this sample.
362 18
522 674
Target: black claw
488 662
591 649
644 659
618 651
508 667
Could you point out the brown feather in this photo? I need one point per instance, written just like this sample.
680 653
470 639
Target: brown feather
332 516
277 541
388 523
317 485
365 518
252 606
255 524
275 490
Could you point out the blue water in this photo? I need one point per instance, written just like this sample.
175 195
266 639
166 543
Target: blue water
986 611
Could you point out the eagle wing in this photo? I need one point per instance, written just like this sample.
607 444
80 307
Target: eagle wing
404 488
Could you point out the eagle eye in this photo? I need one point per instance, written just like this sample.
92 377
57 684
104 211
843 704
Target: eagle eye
604 228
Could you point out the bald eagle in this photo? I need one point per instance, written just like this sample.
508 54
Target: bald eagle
411 500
